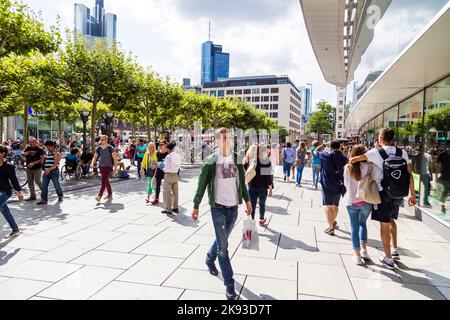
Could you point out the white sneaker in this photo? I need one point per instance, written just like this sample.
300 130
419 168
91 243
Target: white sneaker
357 260
365 255
395 254
98 198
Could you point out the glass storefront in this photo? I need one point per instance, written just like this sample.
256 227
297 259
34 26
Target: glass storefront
422 124
42 130
387 28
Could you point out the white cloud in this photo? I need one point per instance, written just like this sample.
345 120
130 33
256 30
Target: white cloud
262 36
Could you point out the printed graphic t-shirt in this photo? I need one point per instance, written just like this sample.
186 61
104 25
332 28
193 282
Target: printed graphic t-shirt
226 182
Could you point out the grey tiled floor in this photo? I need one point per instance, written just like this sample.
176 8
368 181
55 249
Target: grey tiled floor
126 249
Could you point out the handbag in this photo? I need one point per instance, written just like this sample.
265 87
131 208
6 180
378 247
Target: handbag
153 184
368 189
251 172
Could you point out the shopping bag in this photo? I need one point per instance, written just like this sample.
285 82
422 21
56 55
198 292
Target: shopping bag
250 238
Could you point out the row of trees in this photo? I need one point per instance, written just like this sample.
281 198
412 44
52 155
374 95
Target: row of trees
58 78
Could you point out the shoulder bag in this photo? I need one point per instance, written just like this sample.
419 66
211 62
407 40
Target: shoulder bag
368 189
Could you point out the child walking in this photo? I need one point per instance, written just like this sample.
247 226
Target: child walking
149 165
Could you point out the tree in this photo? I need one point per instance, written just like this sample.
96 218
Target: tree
21 31
24 83
321 121
96 75
439 119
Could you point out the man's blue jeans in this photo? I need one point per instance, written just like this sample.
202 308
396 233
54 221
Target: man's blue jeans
6 212
54 177
224 220
358 217
316 173
254 194
299 173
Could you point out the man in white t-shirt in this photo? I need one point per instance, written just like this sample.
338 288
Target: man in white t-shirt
224 176
387 212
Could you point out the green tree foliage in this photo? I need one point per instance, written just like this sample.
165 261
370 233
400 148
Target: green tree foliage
21 31
322 120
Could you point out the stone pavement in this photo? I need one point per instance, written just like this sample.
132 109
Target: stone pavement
126 249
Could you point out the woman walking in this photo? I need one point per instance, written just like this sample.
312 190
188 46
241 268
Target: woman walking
358 210
261 185
300 161
316 164
8 178
149 164
288 155
140 152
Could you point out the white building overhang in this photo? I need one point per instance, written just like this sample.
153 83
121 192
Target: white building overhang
423 61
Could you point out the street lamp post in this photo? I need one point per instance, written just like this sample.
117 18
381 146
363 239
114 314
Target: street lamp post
84 116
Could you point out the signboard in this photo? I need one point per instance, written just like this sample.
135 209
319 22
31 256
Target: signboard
33 113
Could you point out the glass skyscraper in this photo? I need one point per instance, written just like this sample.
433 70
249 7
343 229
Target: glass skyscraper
97 26
215 63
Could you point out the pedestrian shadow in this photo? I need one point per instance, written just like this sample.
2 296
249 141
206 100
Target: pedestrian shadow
5 257
276 210
250 295
285 242
109 205
183 219
431 279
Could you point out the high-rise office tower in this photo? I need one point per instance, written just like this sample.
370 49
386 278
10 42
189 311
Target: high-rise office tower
97 25
215 63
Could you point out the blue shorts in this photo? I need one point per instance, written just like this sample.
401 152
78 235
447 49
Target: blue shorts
330 199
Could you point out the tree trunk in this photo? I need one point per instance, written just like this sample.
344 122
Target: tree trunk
133 130
93 121
60 133
147 122
25 124
1 129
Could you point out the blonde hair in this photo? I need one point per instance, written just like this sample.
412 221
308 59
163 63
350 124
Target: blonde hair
252 153
151 146
315 143
302 146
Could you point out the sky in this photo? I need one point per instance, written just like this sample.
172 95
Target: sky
263 37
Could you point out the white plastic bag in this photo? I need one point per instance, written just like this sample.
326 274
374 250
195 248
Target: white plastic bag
250 238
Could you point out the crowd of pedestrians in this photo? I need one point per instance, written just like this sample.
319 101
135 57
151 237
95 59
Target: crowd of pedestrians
368 183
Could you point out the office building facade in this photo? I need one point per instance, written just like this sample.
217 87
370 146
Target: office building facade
215 63
339 123
95 24
395 57
277 96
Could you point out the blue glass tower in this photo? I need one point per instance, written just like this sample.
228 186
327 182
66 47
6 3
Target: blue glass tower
215 63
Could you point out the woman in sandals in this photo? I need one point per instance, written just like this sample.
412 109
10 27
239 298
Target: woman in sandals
149 164
358 210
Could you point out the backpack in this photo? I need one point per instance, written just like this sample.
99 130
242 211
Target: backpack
395 174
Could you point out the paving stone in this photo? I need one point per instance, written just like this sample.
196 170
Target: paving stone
118 290
21 289
108 259
256 288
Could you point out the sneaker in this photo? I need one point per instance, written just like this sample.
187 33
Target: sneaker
98 198
166 211
395 255
175 210
262 222
387 263
358 260
60 199
156 201
30 199
212 268
365 255
231 293
41 202
13 234
284 178
109 197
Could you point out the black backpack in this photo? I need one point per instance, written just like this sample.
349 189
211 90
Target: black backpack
395 174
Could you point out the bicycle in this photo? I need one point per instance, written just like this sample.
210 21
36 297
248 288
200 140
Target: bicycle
19 164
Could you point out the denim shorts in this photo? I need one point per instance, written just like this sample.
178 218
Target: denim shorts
387 210
330 199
